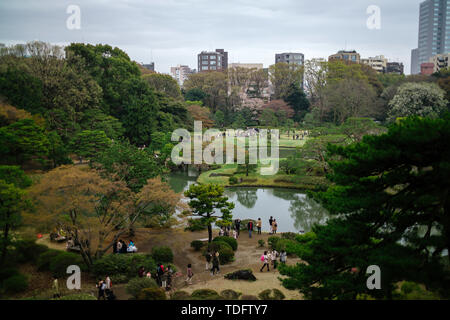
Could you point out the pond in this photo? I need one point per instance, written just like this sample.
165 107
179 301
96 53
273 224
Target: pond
293 210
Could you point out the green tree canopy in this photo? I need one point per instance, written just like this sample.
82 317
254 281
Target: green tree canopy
390 199
418 99
205 200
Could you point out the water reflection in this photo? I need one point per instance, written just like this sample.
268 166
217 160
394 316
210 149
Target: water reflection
293 210
247 198
306 212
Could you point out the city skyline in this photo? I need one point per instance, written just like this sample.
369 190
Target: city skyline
173 32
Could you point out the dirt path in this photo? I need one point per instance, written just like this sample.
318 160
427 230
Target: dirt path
246 257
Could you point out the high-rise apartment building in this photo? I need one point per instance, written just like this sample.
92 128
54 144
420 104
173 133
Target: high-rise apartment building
150 66
434 31
395 68
181 73
213 61
290 58
351 56
378 63
440 61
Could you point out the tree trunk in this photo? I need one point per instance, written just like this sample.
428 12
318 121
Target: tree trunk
5 243
209 233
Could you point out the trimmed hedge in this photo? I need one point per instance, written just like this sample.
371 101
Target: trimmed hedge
205 294
136 285
229 294
152 294
28 251
44 260
226 253
77 296
15 284
162 254
230 240
273 294
123 265
180 295
59 263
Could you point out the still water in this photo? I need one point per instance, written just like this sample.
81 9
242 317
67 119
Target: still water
293 210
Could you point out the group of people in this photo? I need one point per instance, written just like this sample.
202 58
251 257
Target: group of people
270 258
121 247
105 291
272 223
301 135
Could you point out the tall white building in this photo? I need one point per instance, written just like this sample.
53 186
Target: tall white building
378 63
181 73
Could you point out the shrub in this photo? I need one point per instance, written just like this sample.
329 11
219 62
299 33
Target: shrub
261 243
15 284
119 278
249 297
205 294
230 240
409 287
197 245
152 294
6 273
44 260
230 294
180 295
122 265
282 244
29 251
59 263
162 254
273 294
233 180
135 286
272 241
289 235
77 296
226 253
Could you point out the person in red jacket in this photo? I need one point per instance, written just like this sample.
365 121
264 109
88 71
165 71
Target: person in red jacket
250 228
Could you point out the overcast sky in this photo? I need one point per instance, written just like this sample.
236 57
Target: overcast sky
172 32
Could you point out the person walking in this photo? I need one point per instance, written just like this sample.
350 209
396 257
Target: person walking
108 283
235 235
169 278
259 225
273 258
250 228
208 257
270 224
189 274
237 224
283 257
159 274
274 226
265 259
215 263
101 289
119 246
55 287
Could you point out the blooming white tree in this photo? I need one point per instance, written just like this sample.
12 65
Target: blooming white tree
418 99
